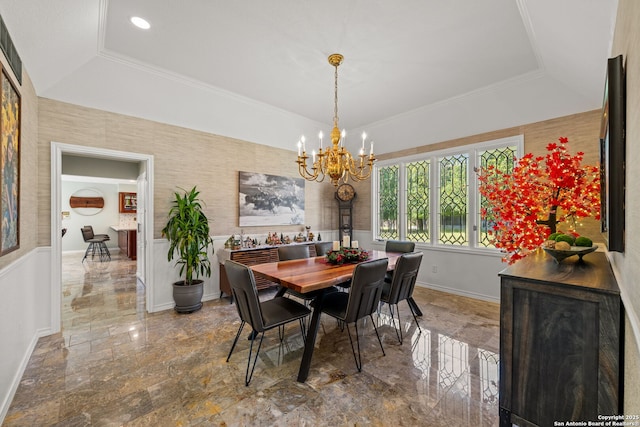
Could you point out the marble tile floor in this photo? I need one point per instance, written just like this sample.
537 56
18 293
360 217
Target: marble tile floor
114 364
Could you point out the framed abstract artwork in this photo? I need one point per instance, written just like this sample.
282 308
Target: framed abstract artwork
10 112
270 199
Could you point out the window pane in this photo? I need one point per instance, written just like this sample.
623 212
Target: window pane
418 201
503 160
388 199
453 199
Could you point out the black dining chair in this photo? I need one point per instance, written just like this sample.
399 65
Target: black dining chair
401 287
287 253
261 315
323 247
96 244
321 250
403 246
361 301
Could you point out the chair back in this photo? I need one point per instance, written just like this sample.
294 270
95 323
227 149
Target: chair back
87 233
286 253
245 294
366 289
404 277
399 246
323 247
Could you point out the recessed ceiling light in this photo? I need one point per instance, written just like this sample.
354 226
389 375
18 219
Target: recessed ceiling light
140 22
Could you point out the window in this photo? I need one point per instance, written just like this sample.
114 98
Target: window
388 202
503 159
433 198
417 197
453 199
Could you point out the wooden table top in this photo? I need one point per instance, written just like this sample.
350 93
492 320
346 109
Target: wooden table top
310 274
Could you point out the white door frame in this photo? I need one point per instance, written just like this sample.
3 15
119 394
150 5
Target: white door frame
57 150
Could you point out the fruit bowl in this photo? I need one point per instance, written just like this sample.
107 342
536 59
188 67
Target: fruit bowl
560 255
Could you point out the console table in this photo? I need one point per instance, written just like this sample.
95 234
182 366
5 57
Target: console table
252 256
560 332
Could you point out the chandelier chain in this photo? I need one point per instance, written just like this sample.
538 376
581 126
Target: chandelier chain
335 102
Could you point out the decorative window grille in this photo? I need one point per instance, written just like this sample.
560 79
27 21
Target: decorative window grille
388 197
502 159
454 200
433 198
417 196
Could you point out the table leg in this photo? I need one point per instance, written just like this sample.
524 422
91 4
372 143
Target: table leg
310 342
414 306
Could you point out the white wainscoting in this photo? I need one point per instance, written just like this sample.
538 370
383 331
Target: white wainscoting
469 274
25 316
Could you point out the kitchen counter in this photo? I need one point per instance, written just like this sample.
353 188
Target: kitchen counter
126 240
123 227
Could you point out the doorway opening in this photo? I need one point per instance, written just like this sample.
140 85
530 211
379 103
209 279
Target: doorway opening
144 215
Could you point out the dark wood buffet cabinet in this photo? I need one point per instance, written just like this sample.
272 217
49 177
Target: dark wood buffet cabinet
560 332
252 256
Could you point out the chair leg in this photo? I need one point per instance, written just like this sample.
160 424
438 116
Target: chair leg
399 328
357 358
414 315
248 375
105 255
303 329
378 335
235 341
87 251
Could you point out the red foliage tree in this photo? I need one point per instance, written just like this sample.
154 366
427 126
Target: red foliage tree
525 205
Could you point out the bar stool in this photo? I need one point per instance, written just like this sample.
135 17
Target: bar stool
96 244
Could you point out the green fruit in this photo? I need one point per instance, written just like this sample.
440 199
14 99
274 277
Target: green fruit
553 236
565 238
584 241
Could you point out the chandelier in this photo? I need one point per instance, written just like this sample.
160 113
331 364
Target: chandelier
335 161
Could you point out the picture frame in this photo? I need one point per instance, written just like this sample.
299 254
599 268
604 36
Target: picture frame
10 117
266 200
612 157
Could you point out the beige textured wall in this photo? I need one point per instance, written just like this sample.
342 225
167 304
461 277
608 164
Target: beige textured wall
182 158
627 42
215 160
582 130
28 166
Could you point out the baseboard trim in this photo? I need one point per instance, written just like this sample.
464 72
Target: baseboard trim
626 302
460 292
15 382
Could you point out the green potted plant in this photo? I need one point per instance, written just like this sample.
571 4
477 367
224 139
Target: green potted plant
187 231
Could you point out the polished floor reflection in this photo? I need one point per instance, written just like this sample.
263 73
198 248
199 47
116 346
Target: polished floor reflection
113 364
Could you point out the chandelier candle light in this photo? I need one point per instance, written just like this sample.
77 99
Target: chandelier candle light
335 161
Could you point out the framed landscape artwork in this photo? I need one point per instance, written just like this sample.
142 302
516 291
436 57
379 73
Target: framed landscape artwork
10 165
270 200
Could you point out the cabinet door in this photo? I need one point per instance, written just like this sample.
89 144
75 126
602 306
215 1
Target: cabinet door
128 202
559 351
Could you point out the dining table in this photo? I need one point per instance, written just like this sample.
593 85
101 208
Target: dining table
313 274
